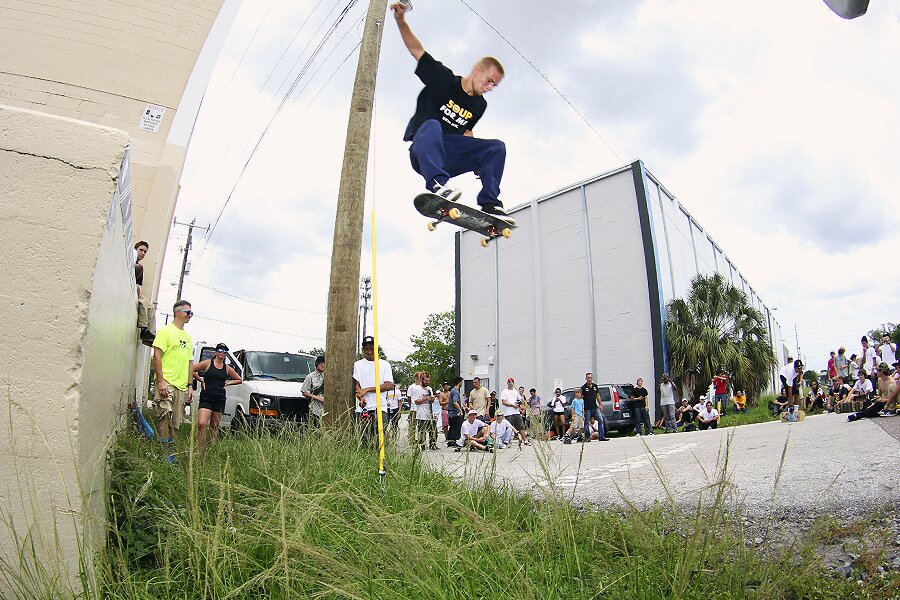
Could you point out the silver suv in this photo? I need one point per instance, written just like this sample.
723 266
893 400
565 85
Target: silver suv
616 400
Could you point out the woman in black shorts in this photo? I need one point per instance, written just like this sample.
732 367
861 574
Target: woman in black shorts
212 395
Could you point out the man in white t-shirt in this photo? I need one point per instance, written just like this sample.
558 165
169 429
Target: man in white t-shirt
888 350
509 407
708 417
790 381
364 383
869 357
501 431
421 400
667 402
474 433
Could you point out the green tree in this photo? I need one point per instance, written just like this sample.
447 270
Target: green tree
435 348
810 376
402 372
717 327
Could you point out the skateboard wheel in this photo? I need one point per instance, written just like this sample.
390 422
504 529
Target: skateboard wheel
506 232
484 242
454 213
431 226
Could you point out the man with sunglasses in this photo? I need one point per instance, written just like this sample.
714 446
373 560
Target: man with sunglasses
173 363
447 109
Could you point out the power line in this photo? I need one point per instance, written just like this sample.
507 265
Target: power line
544 77
252 301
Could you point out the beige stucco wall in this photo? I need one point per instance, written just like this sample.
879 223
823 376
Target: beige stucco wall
67 333
103 62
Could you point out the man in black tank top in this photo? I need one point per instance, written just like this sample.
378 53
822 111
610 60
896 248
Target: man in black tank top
216 375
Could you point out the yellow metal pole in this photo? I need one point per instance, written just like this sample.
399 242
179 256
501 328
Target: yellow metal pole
377 358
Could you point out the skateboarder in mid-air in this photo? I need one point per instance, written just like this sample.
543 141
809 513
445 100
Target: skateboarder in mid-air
447 110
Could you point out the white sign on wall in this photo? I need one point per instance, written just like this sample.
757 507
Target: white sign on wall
152 117
557 383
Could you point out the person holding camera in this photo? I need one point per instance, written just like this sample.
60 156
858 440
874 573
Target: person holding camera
509 407
558 407
667 403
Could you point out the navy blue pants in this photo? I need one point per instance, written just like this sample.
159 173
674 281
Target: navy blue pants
437 157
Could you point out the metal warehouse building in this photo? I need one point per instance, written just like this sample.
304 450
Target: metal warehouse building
582 285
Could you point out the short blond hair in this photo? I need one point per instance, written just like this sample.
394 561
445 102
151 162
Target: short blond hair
488 62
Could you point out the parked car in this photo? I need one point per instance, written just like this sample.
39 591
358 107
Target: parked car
270 393
616 399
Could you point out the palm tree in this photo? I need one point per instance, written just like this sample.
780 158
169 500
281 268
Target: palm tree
717 327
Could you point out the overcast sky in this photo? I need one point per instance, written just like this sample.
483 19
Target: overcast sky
775 123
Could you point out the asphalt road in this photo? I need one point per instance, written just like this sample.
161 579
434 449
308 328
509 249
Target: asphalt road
828 463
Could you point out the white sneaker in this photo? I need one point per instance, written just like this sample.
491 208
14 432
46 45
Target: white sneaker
498 212
502 446
446 192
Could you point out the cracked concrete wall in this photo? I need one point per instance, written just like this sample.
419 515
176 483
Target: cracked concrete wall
67 338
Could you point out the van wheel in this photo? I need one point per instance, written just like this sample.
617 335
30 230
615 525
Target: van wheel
239 421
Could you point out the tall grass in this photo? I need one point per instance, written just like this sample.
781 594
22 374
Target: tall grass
288 516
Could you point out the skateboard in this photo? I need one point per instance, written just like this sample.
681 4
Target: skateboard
438 208
800 416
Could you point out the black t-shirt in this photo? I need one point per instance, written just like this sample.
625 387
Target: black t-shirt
139 273
443 99
639 397
589 393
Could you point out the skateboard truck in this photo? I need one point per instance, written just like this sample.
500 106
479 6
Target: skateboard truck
505 232
452 213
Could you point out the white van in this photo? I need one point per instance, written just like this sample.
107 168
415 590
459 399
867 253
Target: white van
270 393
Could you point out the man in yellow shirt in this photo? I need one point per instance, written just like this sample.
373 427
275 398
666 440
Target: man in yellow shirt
173 361
740 402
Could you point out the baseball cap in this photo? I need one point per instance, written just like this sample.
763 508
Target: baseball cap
471 412
798 363
510 379
703 397
884 367
368 341
221 348
320 360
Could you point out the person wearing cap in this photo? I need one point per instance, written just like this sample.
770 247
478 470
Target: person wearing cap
888 350
509 408
593 407
364 384
685 416
790 381
474 433
887 394
313 389
173 362
214 375
501 432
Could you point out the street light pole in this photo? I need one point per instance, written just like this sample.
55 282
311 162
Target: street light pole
343 290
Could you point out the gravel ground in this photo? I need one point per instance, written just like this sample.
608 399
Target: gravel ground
836 487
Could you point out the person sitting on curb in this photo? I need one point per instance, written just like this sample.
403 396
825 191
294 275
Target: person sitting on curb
708 417
887 394
779 404
685 417
501 432
474 433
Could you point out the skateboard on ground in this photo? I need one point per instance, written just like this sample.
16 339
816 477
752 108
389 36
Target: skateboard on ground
800 416
467 217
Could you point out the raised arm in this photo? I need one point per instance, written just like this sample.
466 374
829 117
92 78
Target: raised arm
409 38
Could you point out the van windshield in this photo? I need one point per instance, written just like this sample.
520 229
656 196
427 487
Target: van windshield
279 365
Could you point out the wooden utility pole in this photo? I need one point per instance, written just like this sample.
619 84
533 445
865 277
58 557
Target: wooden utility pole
184 260
346 253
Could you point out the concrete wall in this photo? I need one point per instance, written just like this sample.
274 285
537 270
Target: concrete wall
103 62
67 332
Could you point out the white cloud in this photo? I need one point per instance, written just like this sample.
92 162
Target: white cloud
762 117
